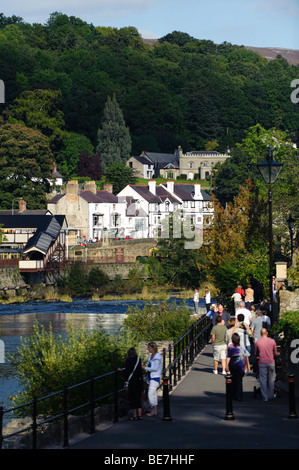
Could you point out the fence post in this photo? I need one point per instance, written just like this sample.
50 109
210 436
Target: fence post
116 397
34 423
292 406
229 400
175 364
65 418
1 425
166 407
91 405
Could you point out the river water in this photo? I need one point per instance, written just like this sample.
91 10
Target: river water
17 321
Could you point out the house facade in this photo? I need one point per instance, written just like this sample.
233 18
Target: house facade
93 213
195 165
158 202
200 163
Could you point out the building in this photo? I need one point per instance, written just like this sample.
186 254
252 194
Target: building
195 165
94 213
158 202
200 163
38 239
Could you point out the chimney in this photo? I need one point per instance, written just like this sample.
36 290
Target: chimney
22 205
54 167
152 187
109 188
170 186
197 191
72 188
90 186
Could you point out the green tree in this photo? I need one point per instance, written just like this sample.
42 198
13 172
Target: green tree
114 137
26 163
119 176
38 109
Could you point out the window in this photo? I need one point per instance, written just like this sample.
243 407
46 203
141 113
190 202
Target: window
190 165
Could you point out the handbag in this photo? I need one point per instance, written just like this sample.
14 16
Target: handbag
126 384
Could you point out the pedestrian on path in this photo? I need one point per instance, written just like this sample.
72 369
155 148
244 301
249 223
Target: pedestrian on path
235 364
154 369
245 334
207 298
265 351
218 335
224 315
133 375
196 300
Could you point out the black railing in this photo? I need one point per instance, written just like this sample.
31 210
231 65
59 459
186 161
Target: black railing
177 359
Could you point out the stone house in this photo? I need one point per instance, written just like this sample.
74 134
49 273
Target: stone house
94 213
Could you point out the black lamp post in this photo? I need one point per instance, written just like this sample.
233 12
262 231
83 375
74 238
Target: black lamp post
270 171
291 224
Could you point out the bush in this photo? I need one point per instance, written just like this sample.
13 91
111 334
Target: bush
46 362
162 321
288 324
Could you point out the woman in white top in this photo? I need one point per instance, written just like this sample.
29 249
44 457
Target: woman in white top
155 370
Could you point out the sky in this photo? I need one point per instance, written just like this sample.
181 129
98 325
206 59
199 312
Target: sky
256 23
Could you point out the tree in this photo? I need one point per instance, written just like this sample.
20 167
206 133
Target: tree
119 176
114 137
26 163
38 109
90 166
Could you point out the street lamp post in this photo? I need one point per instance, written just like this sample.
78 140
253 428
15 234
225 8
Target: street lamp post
291 224
270 171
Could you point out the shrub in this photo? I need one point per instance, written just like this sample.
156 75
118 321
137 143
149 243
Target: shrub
46 362
162 321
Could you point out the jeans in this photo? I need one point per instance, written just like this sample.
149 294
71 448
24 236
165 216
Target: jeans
266 379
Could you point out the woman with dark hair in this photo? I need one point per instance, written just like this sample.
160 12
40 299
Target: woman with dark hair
235 364
133 374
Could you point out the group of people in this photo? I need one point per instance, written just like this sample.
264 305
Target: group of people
233 346
247 338
133 372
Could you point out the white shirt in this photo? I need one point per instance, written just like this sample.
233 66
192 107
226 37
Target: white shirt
208 298
246 313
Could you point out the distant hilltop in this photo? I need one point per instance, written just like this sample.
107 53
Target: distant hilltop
270 53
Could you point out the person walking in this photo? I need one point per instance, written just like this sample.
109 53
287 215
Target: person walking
224 315
237 298
207 298
245 334
196 300
133 375
235 364
265 351
249 296
154 369
245 312
218 335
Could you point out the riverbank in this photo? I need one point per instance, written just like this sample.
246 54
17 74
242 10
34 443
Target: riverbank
50 293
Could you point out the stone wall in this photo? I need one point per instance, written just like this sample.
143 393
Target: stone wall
288 301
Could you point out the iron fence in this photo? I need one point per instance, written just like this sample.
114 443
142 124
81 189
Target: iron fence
176 360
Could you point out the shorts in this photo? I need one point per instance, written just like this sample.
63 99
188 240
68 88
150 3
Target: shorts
219 352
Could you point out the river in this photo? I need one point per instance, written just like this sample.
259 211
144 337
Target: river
17 320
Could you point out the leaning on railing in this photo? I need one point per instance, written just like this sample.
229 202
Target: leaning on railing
177 359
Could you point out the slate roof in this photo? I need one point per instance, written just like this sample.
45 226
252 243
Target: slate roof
185 191
45 234
161 194
101 196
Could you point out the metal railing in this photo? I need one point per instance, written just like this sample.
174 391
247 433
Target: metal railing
177 359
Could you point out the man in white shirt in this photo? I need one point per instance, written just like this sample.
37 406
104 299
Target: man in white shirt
245 312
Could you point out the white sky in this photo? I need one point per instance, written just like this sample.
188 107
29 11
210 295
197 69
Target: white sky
259 23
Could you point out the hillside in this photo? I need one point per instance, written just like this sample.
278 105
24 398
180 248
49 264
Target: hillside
291 55
269 53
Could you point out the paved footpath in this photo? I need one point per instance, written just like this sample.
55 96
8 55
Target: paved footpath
197 410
